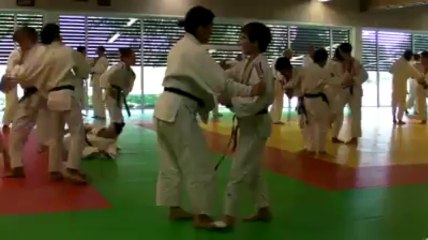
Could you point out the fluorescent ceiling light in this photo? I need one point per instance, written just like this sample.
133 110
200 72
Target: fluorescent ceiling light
114 38
131 22
324 0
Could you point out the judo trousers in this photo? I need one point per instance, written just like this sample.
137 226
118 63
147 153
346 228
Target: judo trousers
185 160
354 101
74 121
11 106
30 111
317 125
246 171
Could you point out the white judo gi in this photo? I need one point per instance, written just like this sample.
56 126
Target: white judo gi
95 146
254 129
421 92
119 81
185 158
30 111
49 69
316 110
401 71
348 90
11 95
81 72
295 86
278 103
100 66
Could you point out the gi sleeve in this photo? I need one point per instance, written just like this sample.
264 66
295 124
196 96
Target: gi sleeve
100 66
215 77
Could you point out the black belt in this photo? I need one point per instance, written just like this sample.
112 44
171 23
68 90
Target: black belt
301 109
185 94
64 87
119 96
233 140
28 92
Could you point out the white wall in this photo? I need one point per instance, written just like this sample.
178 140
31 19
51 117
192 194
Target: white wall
337 12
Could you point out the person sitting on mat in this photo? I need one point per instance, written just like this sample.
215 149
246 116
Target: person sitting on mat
100 142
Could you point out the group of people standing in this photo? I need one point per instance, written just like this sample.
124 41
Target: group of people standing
192 89
52 76
321 106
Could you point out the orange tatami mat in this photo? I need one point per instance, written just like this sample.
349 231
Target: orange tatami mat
382 143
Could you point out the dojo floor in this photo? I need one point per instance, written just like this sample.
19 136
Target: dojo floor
376 191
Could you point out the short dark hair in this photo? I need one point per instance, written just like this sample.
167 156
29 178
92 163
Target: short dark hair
198 17
126 52
283 63
50 33
81 49
101 49
337 56
258 32
424 54
28 31
346 48
416 57
408 54
320 55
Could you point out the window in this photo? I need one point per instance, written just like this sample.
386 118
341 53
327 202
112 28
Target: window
225 41
159 35
420 42
370 63
338 36
73 30
303 37
279 42
112 33
380 50
7 28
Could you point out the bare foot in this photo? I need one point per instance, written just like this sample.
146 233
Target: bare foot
401 122
337 140
16 173
279 123
76 177
423 122
262 215
179 214
203 221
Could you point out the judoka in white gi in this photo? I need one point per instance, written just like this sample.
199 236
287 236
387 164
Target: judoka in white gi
293 88
351 75
99 66
49 69
254 126
84 69
119 81
278 103
30 108
190 89
421 88
315 107
412 87
12 94
308 58
401 71
100 142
